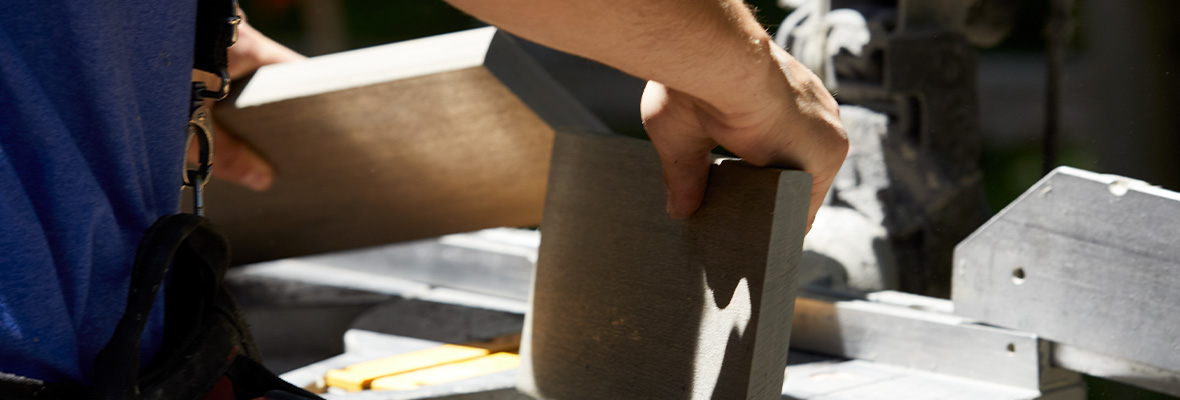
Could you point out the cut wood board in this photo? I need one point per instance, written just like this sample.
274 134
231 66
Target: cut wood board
447 373
1082 259
628 303
405 141
925 340
865 380
359 376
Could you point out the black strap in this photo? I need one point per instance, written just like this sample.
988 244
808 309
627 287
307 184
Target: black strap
215 33
116 367
252 380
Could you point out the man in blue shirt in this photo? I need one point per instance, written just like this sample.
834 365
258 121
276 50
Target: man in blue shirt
94 103
93 106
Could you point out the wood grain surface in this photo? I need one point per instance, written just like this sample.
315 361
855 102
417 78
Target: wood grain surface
630 304
405 141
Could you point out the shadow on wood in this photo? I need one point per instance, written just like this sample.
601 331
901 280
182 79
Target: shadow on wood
629 303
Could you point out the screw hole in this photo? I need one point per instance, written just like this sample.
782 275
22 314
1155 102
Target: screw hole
1018 275
1011 348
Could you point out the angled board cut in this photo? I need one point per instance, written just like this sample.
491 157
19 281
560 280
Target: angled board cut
445 134
628 303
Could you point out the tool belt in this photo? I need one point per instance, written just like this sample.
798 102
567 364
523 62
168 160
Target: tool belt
207 352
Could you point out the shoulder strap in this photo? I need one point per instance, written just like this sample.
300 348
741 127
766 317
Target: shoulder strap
217 23
116 367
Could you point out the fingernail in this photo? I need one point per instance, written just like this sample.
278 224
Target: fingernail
257 180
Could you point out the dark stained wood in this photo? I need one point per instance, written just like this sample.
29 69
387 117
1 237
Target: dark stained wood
630 304
405 141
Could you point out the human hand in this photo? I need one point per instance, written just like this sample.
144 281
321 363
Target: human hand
785 119
234 160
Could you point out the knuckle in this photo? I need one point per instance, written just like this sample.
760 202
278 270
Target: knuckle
761 156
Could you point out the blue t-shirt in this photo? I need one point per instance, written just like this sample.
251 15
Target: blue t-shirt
93 107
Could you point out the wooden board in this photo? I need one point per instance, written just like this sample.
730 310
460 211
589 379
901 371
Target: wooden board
1083 259
630 304
416 139
924 340
360 376
865 380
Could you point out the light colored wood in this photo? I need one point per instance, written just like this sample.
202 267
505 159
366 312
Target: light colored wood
630 304
445 373
360 376
1085 260
924 340
866 380
405 141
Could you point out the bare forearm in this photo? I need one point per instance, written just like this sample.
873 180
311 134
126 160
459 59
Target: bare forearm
715 79
710 49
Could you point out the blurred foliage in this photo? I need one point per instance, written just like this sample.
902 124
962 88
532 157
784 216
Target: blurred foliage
1102 389
373 22
366 22
768 13
1009 171
279 19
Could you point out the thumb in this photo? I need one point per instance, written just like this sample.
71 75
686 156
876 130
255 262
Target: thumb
686 174
684 150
